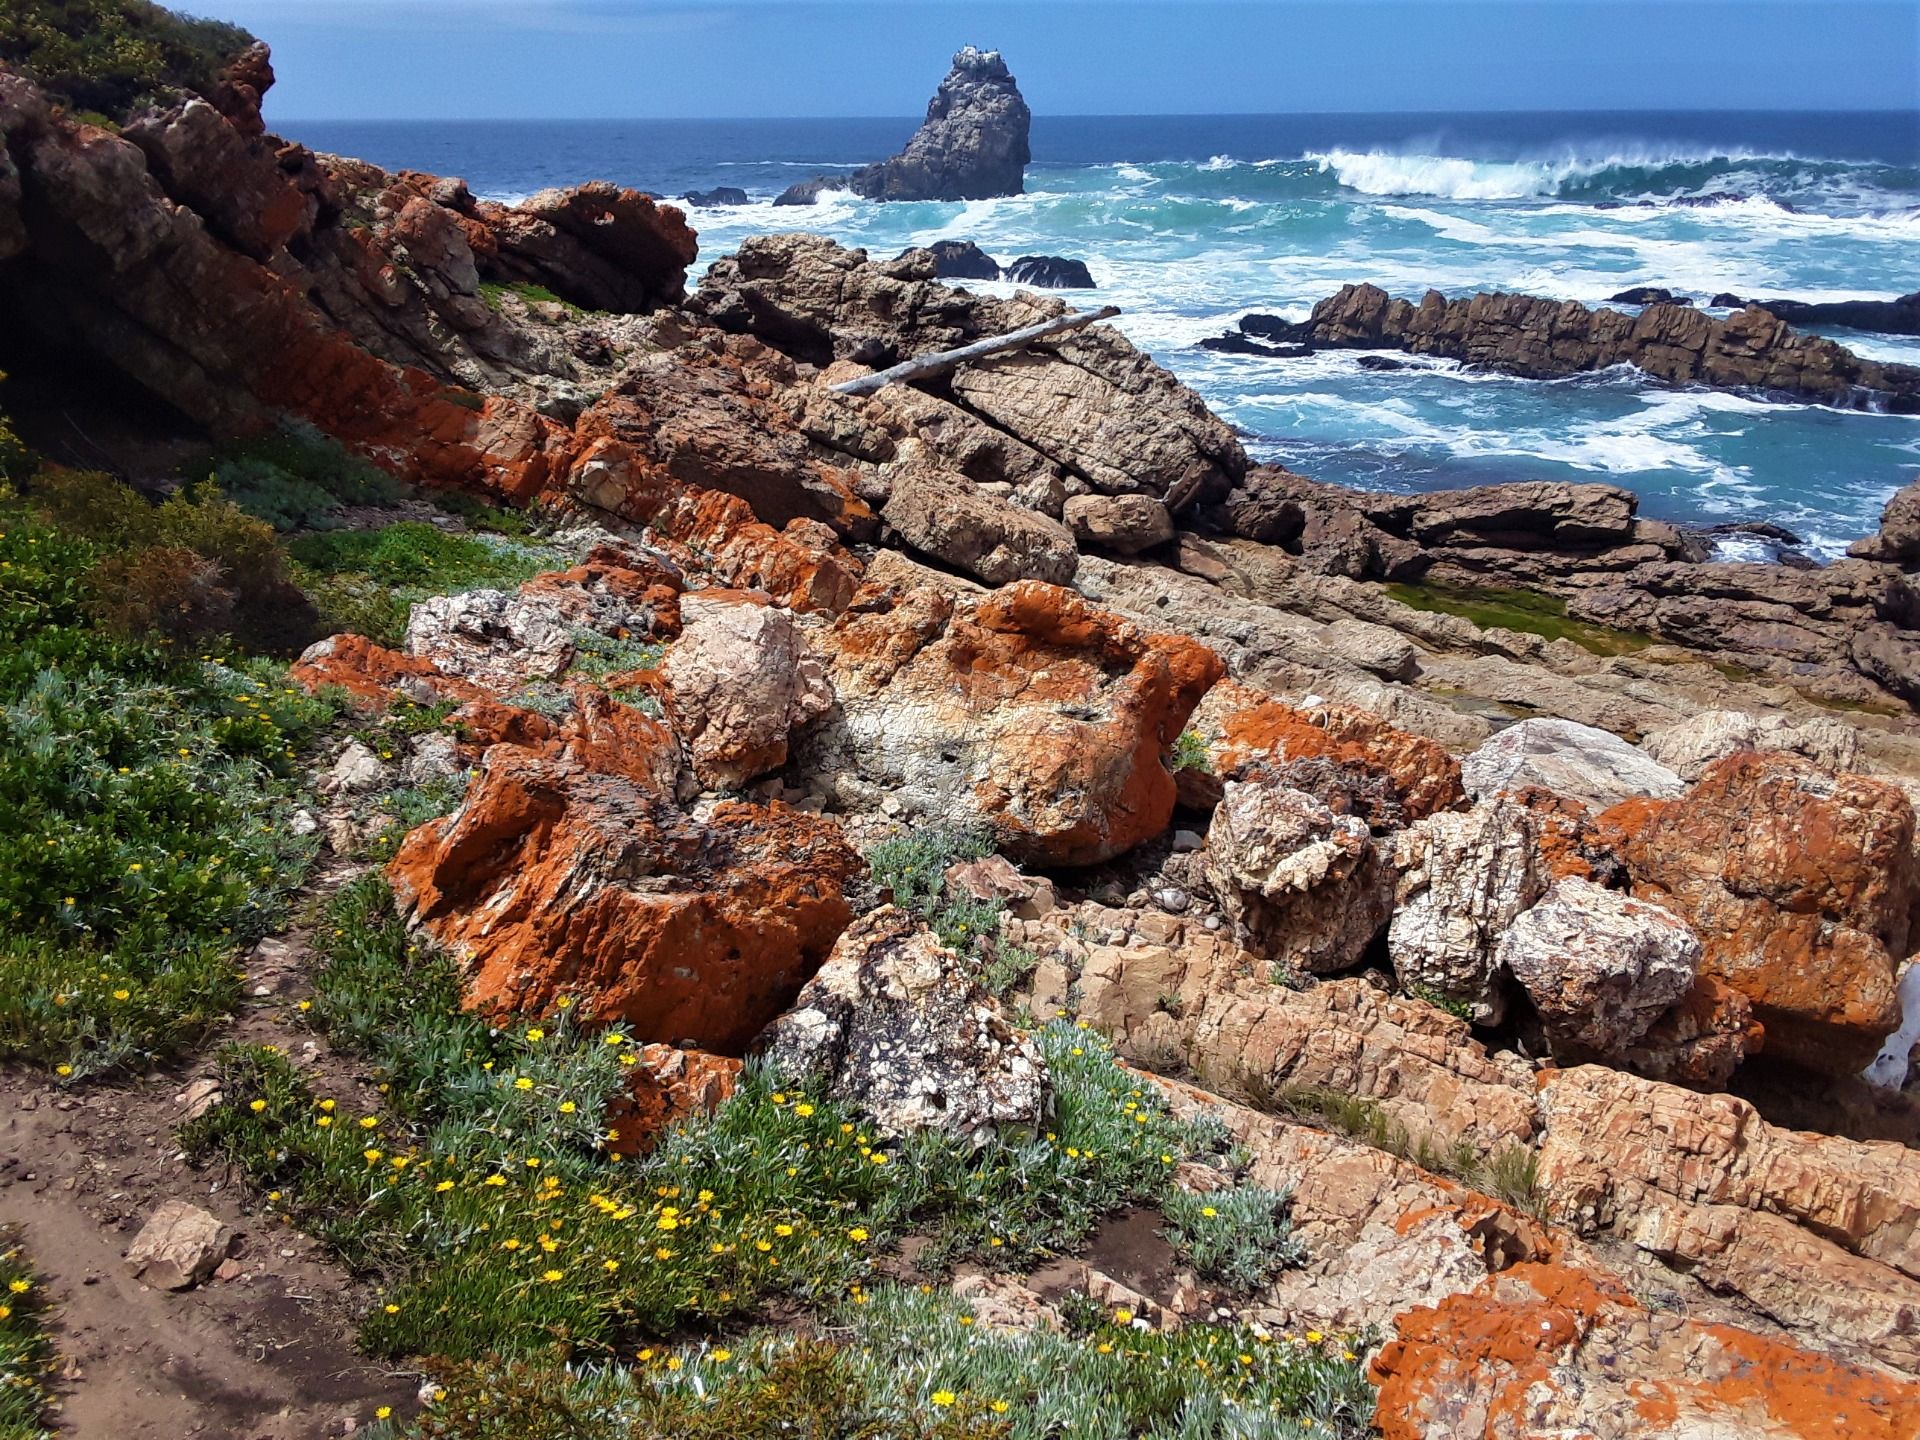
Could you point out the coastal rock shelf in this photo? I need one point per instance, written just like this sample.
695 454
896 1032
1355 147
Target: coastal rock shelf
1517 892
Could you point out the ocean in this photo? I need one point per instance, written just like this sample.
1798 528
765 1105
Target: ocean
1188 222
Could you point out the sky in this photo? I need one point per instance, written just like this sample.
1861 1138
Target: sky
562 59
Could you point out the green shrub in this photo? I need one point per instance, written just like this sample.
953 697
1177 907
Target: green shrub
26 1354
1190 752
104 55
420 559
296 477
913 867
1241 1238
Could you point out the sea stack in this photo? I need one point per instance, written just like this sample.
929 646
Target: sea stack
972 145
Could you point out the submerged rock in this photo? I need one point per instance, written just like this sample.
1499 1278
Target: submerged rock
894 1024
1049 272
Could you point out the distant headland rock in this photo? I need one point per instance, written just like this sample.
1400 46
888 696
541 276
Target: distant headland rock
972 145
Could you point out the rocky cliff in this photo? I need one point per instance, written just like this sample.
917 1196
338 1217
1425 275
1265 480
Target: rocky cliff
1525 891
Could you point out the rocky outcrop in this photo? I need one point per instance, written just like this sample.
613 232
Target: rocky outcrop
1031 713
893 1023
1576 762
1088 401
557 879
1800 885
1122 524
1464 877
1897 541
1306 888
948 518
1887 317
1541 1350
738 680
1691 746
1541 339
666 1086
971 146
960 260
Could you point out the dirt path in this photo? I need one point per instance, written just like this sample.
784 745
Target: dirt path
265 1354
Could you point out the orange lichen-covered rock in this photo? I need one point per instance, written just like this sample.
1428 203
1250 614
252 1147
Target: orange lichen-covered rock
1543 1351
1032 712
1347 757
555 878
1801 886
667 1085
372 675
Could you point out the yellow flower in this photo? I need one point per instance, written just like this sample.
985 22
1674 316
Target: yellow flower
372 1155
369 1122
6 1312
722 1356
19 1287
803 1109
944 1397
1123 1316
121 994
1208 1211
783 1230
523 1083
1314 1337
663 1253
611 1039
323 1121
393 1309
257 1106
63 1069
443 1187
858 1235
762 1246
510 1244
383 1412
326 1104
779 1097
551 1276
496 1180
536 1035
567 1107
610 1266
999 1407
673 1362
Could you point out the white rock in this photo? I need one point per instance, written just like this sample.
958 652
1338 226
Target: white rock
1695 743
357 771
178 1247
1591 766
740 678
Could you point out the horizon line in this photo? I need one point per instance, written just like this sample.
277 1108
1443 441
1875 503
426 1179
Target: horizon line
1108 115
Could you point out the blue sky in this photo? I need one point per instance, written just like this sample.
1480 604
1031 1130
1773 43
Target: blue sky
507 59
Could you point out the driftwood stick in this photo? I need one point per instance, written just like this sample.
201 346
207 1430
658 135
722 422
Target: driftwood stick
942 361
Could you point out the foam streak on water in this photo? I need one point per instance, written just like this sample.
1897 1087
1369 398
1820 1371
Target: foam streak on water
1189 223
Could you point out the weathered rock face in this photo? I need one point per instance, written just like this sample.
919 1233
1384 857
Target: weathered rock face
894 1024
1464 877
1578 762
962 260
1816 1231
1800 885
1032 712
666 1086
1676 343
1088 401
554 878
1305 887
1541 1350
1599 967
1124 524
739 678
972 145
1897 541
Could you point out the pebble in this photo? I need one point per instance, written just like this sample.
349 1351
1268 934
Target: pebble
1187 840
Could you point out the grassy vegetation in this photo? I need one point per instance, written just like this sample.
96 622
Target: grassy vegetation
525 291
1241 1238
913 870
905 1363
491 1199
146 789
26 1354
1527 611
366 581
1510 1174
1190 752
105 55
296 478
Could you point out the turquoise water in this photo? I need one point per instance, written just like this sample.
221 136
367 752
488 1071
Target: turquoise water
1188 223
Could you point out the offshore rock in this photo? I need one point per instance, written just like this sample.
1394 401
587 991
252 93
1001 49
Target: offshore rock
739 678
1600 968
1464 878
1553 1350
1031 712
1049 272
1800 885
1305 887
962 260
1541 339
971 146
893 1023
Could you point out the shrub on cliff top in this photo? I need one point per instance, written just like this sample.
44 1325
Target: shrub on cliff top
105 55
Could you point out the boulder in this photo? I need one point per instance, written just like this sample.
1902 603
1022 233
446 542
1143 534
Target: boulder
665 1086
1305 887
946 516
560 875
1031 713
1049 272
720 195
739 678
1464 877
1124 524
1591 766
1543 1350
1599 967
971 146
178 1247
1689 747
894 1024
1699 1041
994 879
1801 886
1897 541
